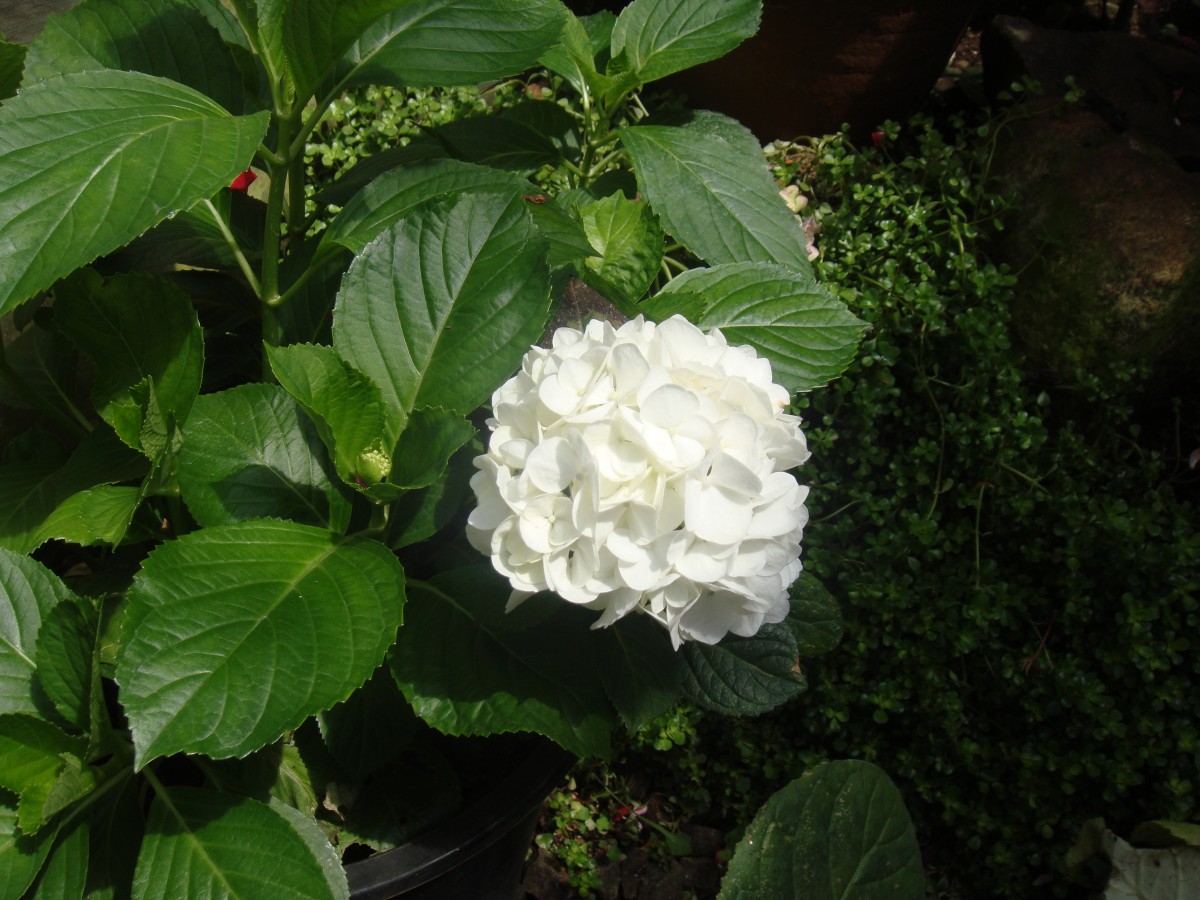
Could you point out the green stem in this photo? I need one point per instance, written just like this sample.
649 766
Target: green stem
231 241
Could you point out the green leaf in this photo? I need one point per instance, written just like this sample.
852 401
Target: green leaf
33 491
89 161
744 676
451 42
808 334
204 843
64 876
21 855
65 648
395 193
838 832
251 452
99 515
420 514
653 39
642 674
714 197
566 240
301 615
498 141
135 328
116 837
370 727
814 616
467 668
442 306
628 242
572 56
346 406
28 594
42 764
12 66
425 447
318 845
157 37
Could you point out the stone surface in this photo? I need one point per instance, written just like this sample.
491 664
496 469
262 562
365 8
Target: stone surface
815 65
22 20
1143 87
1107 245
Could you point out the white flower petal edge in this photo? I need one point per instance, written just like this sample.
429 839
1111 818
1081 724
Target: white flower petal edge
644 467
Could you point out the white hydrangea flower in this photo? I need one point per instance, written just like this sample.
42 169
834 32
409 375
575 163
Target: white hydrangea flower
644 468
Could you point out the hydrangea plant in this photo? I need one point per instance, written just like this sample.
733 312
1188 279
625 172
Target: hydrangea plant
236 587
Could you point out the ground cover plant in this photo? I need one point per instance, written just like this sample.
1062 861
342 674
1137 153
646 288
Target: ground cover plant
1018 561
245 592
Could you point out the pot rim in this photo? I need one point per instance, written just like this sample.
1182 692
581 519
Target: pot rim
467 833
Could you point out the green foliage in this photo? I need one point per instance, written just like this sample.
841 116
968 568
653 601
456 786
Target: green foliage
839 831
239 428
1019 564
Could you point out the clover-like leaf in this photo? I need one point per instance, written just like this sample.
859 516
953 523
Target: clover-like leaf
89 161
302 615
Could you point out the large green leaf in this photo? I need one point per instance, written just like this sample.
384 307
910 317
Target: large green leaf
65 659
397 192
808 334
99 515
744 676
64 876
158 37
468 668
447 42
653 39
250 452
135 328
715 198
28 593
344 404
44 765
236 634
21 855
370 727
89 161
813 616
12 64
425 447
33 491
642 674
628 243
839 832
441 307
203 843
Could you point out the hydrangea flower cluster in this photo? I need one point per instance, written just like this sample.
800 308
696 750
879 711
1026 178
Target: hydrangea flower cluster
644 468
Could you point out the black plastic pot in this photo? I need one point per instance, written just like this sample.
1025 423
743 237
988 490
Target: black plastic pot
477 853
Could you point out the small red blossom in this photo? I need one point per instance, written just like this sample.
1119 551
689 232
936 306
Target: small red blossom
877 139
242 182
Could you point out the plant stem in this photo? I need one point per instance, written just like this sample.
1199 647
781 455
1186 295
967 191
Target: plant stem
231 241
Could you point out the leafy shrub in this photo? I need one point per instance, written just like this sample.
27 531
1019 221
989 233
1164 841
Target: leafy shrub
1018 571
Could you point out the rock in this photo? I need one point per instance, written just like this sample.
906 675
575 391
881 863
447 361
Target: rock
1146 88
1107 244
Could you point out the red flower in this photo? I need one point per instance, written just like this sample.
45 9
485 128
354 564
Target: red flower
242 182
877 139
